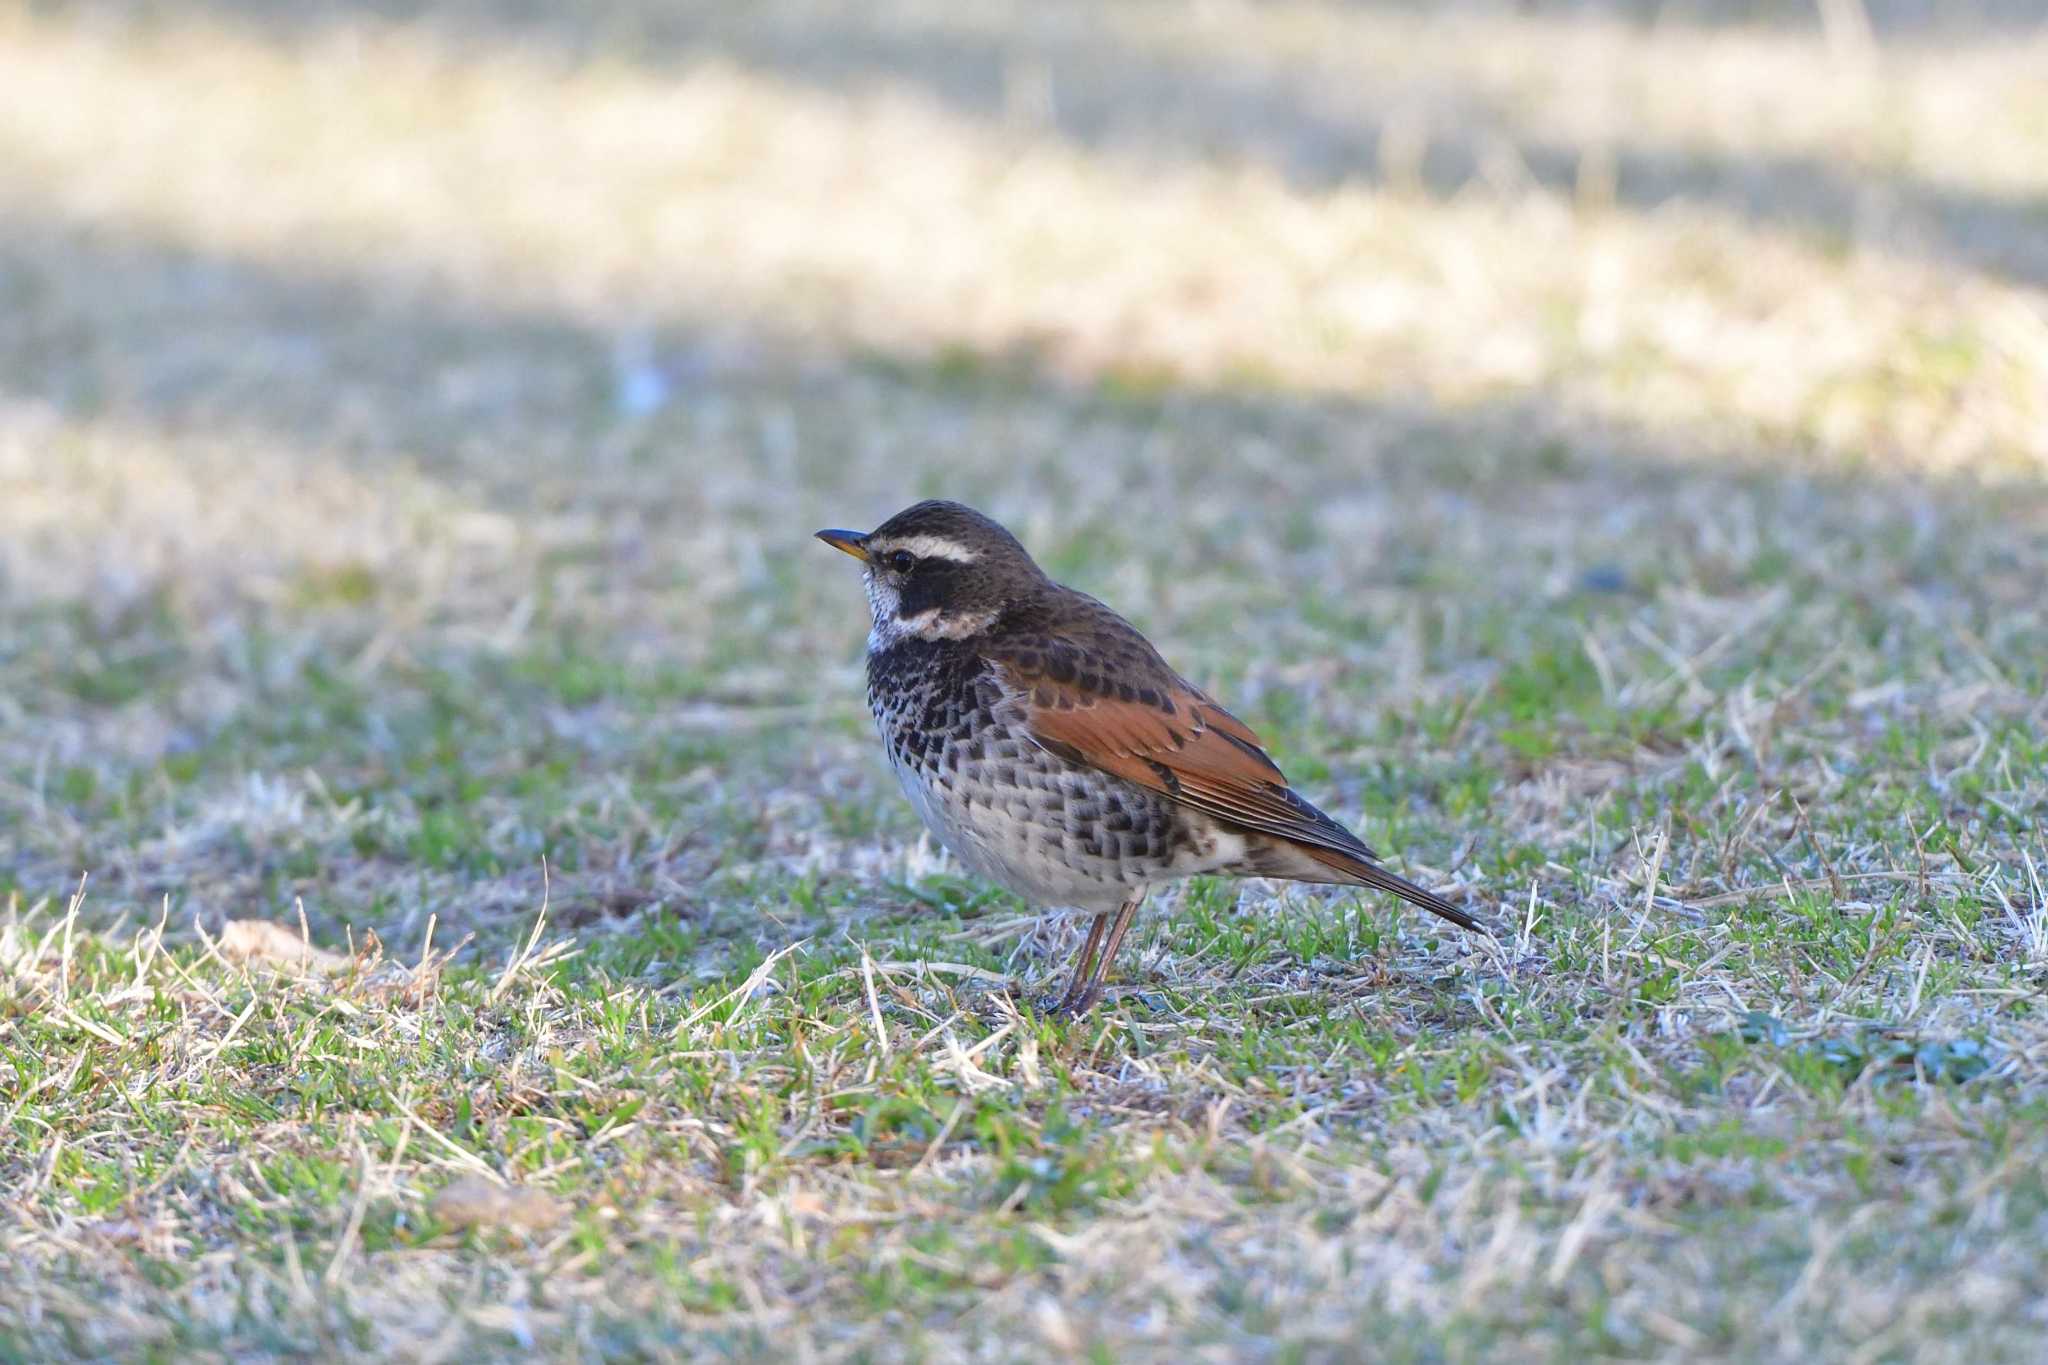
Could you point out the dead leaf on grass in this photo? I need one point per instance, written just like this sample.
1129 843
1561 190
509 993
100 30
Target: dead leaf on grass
260 941
472 1202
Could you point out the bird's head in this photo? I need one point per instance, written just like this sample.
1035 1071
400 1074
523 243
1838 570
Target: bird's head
938 571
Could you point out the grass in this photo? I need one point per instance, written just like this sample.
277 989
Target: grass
450 902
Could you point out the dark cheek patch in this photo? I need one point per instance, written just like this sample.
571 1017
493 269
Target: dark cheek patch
933 583
915 600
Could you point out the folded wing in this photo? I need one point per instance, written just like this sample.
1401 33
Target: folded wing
1102 697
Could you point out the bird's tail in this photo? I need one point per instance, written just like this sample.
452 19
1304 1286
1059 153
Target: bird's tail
1364 873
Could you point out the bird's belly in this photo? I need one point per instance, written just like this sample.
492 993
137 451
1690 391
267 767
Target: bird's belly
1055 833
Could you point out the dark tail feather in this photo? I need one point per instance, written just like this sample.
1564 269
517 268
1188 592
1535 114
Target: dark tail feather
1372 874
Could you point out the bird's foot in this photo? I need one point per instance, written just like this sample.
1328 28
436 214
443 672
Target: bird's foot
1070 1008
1070 1004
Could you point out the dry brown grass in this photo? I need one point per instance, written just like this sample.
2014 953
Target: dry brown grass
1607 460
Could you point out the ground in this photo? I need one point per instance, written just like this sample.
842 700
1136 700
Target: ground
451 902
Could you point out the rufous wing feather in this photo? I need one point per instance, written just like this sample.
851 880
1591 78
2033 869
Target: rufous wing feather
1110 706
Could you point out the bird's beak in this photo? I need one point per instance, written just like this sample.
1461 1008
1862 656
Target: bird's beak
852 542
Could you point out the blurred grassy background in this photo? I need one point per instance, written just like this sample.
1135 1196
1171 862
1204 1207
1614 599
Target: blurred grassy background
350 350
1563 429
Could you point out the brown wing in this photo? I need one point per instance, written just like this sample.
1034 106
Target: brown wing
1096 693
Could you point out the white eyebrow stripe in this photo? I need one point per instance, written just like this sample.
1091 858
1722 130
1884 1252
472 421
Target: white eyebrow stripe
925 547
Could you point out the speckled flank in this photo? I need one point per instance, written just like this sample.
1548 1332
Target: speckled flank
1055 832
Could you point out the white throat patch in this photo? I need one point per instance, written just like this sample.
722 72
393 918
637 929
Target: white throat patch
931 624
937 625
927 625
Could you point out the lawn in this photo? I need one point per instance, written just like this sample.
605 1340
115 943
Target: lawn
452 904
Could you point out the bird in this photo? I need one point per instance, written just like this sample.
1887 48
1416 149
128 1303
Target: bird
1049 747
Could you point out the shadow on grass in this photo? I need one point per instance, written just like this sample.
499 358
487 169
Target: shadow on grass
1104 93
325 361
504 409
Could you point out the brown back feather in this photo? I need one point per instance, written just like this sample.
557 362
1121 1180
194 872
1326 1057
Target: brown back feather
1095 692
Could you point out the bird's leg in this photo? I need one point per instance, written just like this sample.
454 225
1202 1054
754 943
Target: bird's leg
1124 916
1084 962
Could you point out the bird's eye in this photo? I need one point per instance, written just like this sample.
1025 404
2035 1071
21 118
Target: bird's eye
902 561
